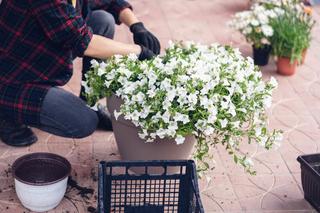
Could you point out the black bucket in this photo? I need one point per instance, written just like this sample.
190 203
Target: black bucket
261 55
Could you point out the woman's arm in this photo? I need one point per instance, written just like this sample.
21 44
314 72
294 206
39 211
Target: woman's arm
128 17
101 47
61 24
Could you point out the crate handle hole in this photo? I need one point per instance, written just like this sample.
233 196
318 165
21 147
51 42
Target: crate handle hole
156 170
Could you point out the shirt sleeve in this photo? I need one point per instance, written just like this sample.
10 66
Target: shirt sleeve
112 6
60 23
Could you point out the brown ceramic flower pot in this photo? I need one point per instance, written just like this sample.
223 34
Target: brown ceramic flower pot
132 147
284 67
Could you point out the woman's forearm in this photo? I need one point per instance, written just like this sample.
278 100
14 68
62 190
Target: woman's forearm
101 47
127 17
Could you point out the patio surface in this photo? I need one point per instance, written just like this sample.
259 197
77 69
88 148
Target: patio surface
275 189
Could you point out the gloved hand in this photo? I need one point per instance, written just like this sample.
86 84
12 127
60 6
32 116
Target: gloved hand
142 36
145 54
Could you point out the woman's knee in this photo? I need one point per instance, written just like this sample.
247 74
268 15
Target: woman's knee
86 125
66 115
75 128
102 23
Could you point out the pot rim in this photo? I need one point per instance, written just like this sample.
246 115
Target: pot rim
121 118
295 62
40 155
265 46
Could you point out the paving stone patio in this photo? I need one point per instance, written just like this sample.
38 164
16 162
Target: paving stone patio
275 189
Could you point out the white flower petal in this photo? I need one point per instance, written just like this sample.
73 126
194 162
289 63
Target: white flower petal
180 139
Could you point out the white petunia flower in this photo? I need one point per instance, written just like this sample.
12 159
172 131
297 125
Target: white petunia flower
181 117
101 71
232 110
142 135
150 140
225 103
162 133
94 63
248 162
180 139
258 131
116 114
278 139
126 72
224 123
267 101
209 131
166 116
132 57
94 107
87 89
103 65
152 92
193 98
171 44
273 82
231 142
139 97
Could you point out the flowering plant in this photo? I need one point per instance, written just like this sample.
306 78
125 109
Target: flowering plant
292 36
292 30
277 2
254 24
295 7
211 92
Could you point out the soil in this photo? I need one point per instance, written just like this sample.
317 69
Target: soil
93 175
83 191
91 209
8 171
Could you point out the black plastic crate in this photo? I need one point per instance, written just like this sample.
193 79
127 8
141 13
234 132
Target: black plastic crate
310 178
121 190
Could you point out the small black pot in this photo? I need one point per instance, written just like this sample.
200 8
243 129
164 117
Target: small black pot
261 55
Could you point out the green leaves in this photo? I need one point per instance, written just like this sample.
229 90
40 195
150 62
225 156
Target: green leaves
292 34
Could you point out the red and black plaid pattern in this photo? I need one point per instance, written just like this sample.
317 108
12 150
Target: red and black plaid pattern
37 40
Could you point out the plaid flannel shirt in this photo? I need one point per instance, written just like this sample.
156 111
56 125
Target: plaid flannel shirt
37 41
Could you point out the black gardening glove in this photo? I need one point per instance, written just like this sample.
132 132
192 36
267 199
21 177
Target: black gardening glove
142 36
145 54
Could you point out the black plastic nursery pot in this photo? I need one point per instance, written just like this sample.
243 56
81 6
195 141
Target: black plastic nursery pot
121 190
261 55
39 169
310 178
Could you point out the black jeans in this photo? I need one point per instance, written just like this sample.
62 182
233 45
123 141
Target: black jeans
65 114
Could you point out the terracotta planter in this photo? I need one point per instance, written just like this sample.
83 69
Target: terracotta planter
261 55
284 67
132 147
